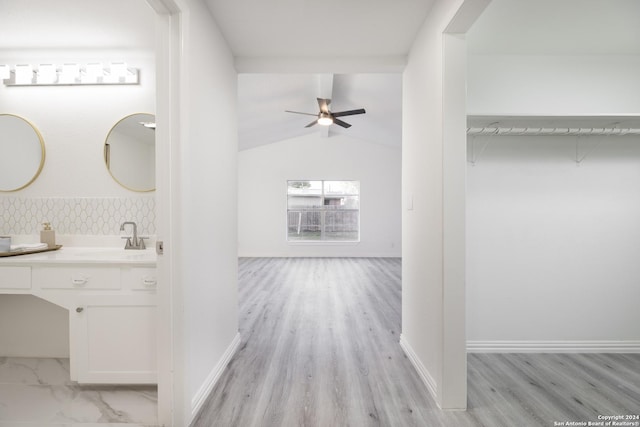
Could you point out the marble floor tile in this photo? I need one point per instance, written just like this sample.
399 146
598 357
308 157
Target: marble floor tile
20 424
115 404
27 370
34 403
39 393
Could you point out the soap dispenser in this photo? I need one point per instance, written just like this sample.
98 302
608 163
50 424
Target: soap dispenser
48 236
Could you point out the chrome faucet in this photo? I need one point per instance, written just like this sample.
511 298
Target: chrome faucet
133 242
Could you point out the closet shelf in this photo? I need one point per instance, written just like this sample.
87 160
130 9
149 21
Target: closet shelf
578 126
543 131
511 125
607 121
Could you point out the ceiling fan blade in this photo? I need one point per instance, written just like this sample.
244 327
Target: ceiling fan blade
298 112
324 104
348 113
311 124
341 123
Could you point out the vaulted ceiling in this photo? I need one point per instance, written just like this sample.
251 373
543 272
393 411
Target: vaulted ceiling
263 99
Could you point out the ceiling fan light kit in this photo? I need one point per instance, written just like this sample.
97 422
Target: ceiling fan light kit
326 117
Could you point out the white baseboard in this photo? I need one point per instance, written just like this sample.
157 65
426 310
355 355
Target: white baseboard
553 346
204 391
426 377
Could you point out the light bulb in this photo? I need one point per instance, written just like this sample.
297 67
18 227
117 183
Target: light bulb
47 74
70 73
24 74
93 73
117 71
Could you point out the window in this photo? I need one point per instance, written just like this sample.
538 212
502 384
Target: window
326 211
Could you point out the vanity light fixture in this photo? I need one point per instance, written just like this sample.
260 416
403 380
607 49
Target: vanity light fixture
149 125
95 73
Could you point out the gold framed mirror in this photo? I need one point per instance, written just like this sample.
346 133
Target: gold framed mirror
22 153
130 152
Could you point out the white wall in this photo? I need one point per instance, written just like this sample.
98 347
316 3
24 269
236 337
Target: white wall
552 246
207 244
422 199
433 174
553 85
262 190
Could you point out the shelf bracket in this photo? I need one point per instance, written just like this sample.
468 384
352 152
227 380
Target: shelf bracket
475 154
580 158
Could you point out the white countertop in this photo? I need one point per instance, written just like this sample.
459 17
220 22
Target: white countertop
86 255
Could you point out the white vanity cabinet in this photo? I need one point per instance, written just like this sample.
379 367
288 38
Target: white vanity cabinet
113 339
111 304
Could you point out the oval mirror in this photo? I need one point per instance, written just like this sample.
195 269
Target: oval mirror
21 153
130 152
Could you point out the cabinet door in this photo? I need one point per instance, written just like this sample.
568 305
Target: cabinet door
114 339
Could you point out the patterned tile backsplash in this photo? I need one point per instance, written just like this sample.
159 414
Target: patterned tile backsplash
84 216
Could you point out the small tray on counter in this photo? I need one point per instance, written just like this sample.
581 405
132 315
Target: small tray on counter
35 251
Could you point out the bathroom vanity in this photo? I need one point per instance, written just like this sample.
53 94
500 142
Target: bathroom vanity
110 294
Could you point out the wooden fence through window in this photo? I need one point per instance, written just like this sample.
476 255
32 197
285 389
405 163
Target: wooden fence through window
325 220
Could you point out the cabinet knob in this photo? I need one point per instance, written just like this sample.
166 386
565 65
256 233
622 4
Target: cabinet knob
79 310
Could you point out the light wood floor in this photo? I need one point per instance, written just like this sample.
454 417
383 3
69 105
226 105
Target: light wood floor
320 349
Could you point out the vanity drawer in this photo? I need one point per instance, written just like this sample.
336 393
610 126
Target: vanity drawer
76 277
139 279
15 277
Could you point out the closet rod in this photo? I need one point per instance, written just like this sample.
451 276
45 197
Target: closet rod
553 131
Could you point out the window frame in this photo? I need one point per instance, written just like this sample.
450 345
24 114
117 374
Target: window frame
323 211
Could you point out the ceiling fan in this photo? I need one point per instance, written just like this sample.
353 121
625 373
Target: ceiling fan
326 117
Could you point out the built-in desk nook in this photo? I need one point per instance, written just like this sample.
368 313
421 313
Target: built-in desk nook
110 294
